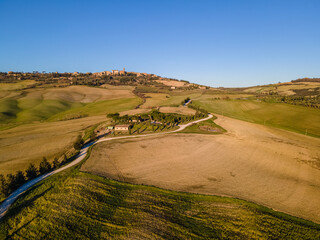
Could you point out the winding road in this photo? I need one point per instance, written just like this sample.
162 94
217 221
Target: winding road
5 205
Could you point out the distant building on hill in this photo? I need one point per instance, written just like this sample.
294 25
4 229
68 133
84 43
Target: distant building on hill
123 72
119 72
115 72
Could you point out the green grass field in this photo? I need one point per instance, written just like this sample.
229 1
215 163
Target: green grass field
100 108
163 99
289 117
77 205
28 110
16 86
205 127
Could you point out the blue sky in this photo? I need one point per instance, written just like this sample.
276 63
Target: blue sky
217 43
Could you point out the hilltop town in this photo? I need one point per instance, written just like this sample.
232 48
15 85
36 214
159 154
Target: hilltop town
114 77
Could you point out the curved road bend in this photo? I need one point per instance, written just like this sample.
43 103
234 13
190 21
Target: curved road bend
4 207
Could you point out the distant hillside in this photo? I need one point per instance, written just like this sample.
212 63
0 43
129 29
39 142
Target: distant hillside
307 80
114 77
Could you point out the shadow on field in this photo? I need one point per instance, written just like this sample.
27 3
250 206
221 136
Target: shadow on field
22 204
16 231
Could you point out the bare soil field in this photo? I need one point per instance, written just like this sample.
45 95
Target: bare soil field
272 167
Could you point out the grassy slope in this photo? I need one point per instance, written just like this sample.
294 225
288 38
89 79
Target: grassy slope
162 99
194 128
16 86
27 110
35 140
40 104
77 205
101 107
285 116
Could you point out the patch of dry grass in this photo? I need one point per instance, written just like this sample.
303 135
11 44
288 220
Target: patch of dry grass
28 143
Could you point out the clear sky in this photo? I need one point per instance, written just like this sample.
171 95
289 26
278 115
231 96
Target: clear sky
214 42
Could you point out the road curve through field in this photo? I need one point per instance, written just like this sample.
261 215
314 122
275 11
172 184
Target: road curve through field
5 205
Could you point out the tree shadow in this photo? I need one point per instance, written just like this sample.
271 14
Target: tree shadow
23 226
23 203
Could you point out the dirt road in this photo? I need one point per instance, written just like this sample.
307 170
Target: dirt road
271 167
5 205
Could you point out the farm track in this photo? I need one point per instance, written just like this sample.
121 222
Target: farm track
5 205
268 166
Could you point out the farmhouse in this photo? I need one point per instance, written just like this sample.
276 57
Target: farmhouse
122 127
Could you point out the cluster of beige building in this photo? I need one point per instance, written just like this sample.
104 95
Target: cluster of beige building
123 73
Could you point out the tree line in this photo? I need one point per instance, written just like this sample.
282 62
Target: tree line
157 116
11 182
306 101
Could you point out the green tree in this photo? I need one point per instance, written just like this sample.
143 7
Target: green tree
64 159
115 116
11 183
19 178
78 144
55 163
44 166
3 186
31 171
93 136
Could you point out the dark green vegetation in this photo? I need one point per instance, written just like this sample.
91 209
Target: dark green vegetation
205 127
153 121
77 205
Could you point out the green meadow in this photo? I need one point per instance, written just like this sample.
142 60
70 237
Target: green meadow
28 110
17 86
280 115
205 127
